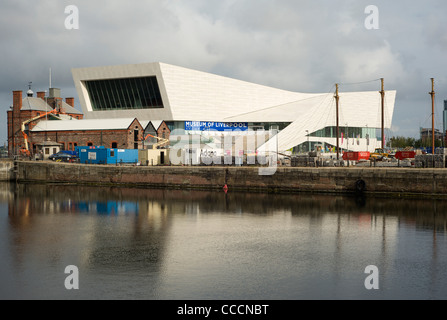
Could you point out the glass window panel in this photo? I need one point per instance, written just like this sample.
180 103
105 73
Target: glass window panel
115 91
153 88
141 92
106 97
98 95
126 93
154 97
111 94
130 95
91 94
138 103
119 91
144 93
148 92
124 96
97 102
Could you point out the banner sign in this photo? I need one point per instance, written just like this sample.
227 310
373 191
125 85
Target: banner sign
215 126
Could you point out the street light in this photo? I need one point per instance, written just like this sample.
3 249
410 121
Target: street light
308 145
347 138
367 137
46 104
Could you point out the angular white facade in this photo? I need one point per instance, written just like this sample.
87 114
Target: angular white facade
190 95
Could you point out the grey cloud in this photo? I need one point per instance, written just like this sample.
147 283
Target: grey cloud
294 45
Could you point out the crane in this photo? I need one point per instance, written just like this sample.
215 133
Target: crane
161 142
25 150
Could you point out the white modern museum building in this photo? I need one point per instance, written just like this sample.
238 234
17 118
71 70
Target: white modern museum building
203 103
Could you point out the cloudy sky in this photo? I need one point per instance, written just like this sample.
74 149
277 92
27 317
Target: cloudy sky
297 45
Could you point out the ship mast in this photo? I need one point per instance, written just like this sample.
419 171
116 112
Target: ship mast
382 94
338 128
432 93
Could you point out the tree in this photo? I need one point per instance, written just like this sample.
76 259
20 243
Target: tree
402 142
405 142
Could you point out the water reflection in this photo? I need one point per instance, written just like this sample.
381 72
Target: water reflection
170 244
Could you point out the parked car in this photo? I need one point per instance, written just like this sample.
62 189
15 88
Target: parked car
62 156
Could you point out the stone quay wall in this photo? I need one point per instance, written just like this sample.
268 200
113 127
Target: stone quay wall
6 170
398 181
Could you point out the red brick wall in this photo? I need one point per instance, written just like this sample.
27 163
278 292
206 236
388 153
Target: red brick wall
125 139
163 129
17 116
70 101
10 133
133 138
82 138
17 100
15 137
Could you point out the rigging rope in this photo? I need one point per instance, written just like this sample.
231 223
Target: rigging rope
355 83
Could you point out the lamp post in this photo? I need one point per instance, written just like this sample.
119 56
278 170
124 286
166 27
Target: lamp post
308 145
347 138
46 104
367 137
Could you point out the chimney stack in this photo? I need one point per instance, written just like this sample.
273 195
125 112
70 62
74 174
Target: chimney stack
17 100
70 101
54 99
55 93
41 94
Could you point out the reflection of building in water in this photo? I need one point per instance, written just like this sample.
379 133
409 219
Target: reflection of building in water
113 230
374 224
6 191
156 213
60 223
110 207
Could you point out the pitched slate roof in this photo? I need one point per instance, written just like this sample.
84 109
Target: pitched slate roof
38 104
88 124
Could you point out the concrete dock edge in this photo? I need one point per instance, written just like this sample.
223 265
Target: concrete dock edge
396 181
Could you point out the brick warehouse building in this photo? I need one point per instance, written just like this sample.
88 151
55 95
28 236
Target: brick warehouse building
124 133
45 120
41 107
158 128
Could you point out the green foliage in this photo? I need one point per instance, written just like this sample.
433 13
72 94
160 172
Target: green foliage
404 142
